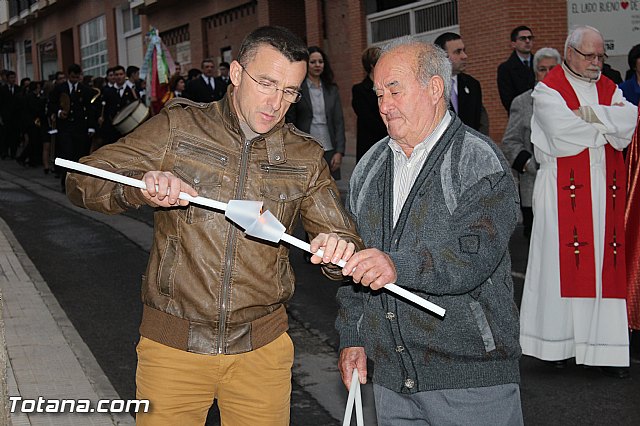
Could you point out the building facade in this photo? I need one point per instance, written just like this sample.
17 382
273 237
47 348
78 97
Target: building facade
39 37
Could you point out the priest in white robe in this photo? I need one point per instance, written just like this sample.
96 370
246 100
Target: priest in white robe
574 293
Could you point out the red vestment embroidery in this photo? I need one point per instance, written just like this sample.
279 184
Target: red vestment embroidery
575 214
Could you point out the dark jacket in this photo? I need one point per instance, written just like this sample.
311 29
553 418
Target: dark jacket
301 114
370 126
470 107
514 78
11 106
81 113
208 288
199 91
450 245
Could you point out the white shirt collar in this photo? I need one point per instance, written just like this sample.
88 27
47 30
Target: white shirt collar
430 141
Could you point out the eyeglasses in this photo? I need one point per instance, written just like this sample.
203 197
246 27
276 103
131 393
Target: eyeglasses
526 38
270 88
589 57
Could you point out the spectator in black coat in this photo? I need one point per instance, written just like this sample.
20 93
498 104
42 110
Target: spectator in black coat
515 75
466 93
206 88
364 101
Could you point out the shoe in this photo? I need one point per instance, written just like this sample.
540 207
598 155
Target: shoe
559 364
46 171
616 372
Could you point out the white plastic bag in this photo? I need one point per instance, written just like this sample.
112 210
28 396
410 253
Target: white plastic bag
354 398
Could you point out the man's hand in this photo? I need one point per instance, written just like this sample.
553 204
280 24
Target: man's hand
372 268
163 189
334 247
351 358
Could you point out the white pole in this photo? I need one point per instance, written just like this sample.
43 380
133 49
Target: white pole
126 180
394 288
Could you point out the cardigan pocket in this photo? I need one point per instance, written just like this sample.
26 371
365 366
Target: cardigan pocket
483 325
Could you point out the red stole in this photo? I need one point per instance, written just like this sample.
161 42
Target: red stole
575 215
632 230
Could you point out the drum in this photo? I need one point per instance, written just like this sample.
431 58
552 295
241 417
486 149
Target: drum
130 117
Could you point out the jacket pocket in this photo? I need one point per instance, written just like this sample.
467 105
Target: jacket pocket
202 167
483 325
286 278
167 267
282 196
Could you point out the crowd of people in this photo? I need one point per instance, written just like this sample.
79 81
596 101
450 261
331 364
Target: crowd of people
432 205
71 114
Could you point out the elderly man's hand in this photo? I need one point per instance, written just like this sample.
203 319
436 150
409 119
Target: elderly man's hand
163 189
334 248
372 268
350 358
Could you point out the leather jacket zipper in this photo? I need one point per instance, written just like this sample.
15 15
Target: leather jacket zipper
228 256
205 152
270 168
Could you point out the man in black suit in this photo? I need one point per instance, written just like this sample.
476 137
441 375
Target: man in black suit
75 122
515 75
466 94
116 98
206 88
223 69
11 113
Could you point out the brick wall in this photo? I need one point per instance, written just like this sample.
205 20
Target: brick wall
485 28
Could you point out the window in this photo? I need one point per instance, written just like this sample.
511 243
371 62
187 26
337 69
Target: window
130 20
423 19
93 47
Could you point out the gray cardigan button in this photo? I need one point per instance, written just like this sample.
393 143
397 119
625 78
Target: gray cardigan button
409 383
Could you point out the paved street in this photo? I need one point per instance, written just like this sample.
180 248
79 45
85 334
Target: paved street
89 266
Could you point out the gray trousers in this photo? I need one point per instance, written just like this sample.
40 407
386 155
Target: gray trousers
492 405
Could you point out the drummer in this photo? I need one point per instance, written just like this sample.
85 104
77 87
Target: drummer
116 98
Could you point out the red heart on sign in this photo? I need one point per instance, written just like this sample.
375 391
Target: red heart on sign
624 4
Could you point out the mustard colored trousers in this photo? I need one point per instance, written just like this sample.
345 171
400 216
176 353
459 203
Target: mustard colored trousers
252 388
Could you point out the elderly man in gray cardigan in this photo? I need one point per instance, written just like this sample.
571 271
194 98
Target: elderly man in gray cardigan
516 142
436 203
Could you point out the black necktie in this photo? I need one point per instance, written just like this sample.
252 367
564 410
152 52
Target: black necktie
526 63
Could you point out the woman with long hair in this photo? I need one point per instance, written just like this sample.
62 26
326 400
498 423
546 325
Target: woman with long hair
319 112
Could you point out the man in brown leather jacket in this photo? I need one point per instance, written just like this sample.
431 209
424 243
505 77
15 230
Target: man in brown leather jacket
214 322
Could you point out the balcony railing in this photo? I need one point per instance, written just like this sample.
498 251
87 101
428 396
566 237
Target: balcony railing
419 19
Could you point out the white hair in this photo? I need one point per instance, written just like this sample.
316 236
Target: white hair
546 52
430 61
574 39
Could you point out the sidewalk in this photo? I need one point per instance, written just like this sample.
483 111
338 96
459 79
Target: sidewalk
45 355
